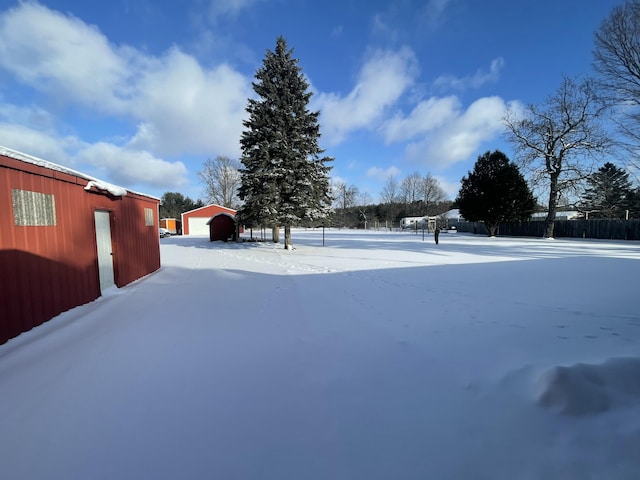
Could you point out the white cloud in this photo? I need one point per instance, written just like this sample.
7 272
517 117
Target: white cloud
434 12
426 116
32 115
125 166
451 188
64 57
382 173
381 28
38 143
119 165
384 77
202 114
450 82
180 106
228 8
461 138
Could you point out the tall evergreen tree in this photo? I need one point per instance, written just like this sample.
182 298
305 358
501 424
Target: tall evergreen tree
608 193
495 192
285 180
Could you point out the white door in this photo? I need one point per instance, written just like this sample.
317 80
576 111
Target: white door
198 226
105 250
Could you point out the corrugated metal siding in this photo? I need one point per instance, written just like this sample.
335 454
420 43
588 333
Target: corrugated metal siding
136 245
49 269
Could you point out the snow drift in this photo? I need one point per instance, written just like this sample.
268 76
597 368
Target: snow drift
583 389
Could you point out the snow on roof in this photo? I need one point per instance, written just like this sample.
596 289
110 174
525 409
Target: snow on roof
231 210
23 157
568 214
114 190
453 214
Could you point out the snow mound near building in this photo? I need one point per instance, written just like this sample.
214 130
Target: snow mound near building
584 389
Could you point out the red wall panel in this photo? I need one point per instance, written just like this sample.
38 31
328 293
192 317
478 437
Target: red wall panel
45 270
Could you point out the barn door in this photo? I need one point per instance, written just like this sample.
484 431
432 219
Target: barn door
105 249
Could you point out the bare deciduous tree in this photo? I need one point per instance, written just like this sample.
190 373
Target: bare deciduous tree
431 192
344 196
363 203
390 196
364 199
410 188
390 190
556 139
617 62
221 179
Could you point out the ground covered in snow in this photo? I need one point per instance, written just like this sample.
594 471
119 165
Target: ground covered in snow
377 356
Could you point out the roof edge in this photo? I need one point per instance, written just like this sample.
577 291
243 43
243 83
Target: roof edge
33 160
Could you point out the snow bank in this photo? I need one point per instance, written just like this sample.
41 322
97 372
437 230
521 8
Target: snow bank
583 389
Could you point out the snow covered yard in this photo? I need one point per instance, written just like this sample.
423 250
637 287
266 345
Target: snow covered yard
377 356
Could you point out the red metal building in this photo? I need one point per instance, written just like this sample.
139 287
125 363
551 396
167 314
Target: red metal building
222 227
173 225
64 238
196 222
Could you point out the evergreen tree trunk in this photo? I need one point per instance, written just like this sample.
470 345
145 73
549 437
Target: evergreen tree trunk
275 234
553 205
288 244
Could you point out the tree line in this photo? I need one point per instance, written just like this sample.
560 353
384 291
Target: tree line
495 193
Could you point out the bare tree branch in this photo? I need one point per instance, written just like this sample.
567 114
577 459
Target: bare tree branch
221 180
616 57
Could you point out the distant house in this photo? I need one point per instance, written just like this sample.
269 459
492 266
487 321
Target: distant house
65 238
419 223
197 222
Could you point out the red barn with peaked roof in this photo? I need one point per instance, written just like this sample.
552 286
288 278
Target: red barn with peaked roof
196 222
65 237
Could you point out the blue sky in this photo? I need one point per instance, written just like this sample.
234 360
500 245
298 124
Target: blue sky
140 93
